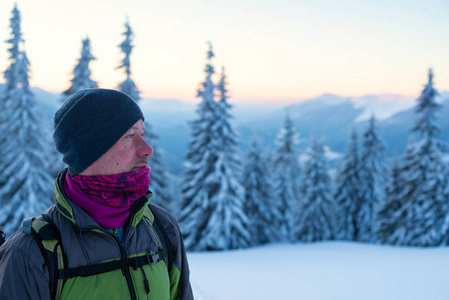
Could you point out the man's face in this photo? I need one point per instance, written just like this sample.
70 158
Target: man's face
128 154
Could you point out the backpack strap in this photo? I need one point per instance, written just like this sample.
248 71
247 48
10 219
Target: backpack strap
123 264
43 233
50 232
166 246
2 235
162 237
26 226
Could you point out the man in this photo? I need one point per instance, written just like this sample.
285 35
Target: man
102 239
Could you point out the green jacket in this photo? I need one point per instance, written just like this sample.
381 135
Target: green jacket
24 274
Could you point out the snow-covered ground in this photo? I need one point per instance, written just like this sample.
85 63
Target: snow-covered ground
324 271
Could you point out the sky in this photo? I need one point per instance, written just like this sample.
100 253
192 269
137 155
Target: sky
272 50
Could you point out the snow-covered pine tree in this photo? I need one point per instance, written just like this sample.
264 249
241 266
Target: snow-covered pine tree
373 179
347 192
81 73
201 154
259 205
10 78
427 180
394 220
212 211
390 217
13 41
128 86
232 221
286 182
26 185
445 208
317 215
9 75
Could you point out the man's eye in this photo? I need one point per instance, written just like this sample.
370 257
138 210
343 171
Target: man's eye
130 136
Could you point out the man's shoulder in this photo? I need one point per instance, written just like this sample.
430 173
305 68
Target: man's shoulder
21 248
19 240
167 221
24 243
161 214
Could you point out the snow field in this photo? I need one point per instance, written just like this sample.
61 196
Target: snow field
321 271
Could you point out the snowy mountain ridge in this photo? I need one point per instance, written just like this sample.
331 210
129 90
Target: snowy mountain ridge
329 117
382 106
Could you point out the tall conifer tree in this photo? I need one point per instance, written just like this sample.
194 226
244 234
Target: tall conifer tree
26 186
14 51
195 191
347 192
128 86
287 172
426 182
212 210
81 73
316 219
391 216
259 201
373 179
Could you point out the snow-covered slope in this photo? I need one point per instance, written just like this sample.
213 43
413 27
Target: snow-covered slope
321 271
381 106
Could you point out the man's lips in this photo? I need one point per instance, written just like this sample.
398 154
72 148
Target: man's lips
139 166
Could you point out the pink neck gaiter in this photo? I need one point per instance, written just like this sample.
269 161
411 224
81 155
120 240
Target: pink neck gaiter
108 199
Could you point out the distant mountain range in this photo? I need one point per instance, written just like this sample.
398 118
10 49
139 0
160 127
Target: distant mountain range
329 118
332 118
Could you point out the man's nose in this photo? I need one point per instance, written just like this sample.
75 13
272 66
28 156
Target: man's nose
144 149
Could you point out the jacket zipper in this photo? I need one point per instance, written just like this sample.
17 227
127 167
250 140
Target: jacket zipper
125 272
123 255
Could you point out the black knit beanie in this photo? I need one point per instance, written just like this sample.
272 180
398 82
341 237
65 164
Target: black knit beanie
90 122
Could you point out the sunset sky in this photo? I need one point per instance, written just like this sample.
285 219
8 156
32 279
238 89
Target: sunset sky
273 50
